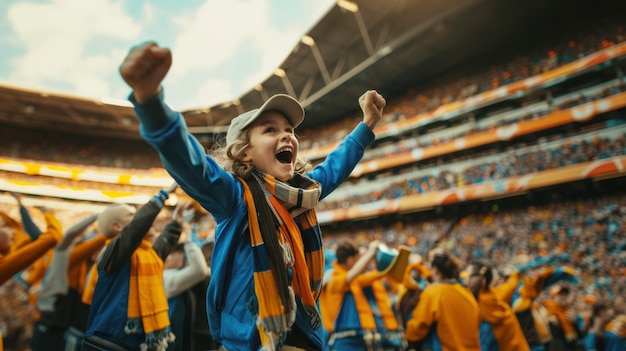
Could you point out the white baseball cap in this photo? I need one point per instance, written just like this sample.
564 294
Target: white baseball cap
282 103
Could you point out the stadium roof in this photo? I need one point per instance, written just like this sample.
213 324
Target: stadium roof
355 46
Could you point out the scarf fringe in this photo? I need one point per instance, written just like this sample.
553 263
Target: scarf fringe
133 326
282 323
271 342
315 319
158 341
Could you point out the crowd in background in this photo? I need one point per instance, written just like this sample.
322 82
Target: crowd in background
437 177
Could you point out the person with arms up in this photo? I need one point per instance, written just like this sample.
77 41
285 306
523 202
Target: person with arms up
58 300
268 262
129 309
601 316
447 316
563 319
184 268
499 328
356 308
15 259
534 277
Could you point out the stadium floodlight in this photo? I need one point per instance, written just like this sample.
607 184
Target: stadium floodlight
259 87
280 72
348 5
307 40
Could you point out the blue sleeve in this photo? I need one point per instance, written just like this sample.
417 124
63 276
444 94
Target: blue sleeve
580 322
589 342
341 161
185 158
27 223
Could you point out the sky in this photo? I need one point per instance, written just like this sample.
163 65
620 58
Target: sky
221 48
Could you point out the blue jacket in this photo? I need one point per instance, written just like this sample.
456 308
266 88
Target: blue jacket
231 301
109 308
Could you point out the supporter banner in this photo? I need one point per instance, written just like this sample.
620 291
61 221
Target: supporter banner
159 178
580 113
457 107
615 166
64 192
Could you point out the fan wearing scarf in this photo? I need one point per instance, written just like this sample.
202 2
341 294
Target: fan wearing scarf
355 304
447 316
535 278
129 309
268 258
499 328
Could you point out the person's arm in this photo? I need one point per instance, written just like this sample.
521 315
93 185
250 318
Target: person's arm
74 231
181 153
55 281
368 278
507 289
85 250
119 251
168 239
27 221
424 315
590 341
562 274
179 280
343 159
23 257
170 235
360 265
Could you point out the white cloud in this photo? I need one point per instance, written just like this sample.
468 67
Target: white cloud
210 93
213 36
221 49
55 36
220 30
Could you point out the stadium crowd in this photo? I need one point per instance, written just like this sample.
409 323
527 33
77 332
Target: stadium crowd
578 242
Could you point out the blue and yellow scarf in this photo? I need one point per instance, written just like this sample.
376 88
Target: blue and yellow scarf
279 243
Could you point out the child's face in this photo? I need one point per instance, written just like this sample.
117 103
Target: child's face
273 145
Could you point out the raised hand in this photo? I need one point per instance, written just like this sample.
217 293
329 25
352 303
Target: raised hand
144 68
372 104
17 196
172 188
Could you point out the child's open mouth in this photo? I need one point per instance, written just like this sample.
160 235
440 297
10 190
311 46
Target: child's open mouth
284 156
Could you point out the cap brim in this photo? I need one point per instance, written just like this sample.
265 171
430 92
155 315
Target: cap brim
283 103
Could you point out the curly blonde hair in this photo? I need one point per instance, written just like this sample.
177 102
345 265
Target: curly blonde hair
230 157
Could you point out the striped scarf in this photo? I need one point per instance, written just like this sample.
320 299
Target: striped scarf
147 303
365 307
278 243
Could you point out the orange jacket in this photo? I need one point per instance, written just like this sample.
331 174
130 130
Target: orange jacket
442 303
19 259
